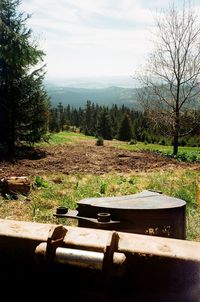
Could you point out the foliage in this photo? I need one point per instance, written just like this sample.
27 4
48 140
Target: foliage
142 131
40 182
24 103
125 132
104 127
99 141
103 187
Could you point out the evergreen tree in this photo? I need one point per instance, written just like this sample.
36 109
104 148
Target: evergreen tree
125 132
33 116
53 125
88 119
104 127
24 104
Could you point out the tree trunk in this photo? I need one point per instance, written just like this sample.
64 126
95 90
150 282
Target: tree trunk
11 131
177 125
175 144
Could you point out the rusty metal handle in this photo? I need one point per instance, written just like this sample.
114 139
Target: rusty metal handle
73 214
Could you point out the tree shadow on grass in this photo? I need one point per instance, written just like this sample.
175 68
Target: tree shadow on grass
22 152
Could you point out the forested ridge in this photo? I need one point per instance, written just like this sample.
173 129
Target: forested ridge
115 122
168 114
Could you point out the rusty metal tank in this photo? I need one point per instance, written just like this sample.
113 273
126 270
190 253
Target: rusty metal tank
147 212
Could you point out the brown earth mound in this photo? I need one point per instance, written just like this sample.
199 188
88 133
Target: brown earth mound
85 157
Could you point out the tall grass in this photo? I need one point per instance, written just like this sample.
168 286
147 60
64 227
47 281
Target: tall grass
66 190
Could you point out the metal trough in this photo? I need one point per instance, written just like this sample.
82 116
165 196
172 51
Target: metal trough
148 213
87 264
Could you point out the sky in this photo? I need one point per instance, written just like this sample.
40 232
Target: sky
92 38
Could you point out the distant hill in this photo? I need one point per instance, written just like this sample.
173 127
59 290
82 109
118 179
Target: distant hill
77 97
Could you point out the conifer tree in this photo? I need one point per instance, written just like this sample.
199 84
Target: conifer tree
104 127
125 128
24 104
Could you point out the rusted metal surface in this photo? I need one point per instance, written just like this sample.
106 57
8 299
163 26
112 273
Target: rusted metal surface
21 230
169 268
109 224
98 240
46 251
86 238
148 213
157 246
98 265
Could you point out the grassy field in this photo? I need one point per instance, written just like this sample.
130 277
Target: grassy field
155 147
190 154
51 191
64 137
72 137
56 189
187 154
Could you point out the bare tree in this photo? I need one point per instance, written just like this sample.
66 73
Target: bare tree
171 78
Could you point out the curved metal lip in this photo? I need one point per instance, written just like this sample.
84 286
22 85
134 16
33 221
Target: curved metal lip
145 200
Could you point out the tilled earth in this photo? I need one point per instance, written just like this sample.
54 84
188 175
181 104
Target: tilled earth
85 157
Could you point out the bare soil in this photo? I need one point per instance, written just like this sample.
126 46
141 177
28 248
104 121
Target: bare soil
86 157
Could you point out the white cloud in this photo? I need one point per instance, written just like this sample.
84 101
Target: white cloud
91 37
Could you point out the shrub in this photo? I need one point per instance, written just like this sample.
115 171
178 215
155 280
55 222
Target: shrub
162 142
103 187
40 182
133 142
99 141
182 143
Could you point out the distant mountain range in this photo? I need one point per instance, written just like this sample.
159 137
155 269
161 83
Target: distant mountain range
103 91
76 93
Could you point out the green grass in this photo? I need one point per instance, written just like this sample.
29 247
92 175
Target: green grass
66 190
189 154
64 137
152 147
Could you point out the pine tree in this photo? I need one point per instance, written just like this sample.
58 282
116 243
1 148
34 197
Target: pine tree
104 127
24 104
125 132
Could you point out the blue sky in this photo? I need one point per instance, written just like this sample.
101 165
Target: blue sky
93 37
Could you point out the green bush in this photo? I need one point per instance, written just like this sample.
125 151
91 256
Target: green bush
99 141
40 182
162 142
182 143
103 187
133 141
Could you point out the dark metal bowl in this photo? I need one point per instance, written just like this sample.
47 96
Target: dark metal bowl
61 210
103 217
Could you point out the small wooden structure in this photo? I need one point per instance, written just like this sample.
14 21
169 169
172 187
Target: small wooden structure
16 185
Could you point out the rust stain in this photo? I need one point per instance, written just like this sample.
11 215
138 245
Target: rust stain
165 248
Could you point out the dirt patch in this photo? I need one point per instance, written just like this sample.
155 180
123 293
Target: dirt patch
85 157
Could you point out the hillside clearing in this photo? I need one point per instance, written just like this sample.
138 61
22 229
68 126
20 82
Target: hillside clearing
83 156
72 167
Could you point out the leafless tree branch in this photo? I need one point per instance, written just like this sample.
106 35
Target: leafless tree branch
171 77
